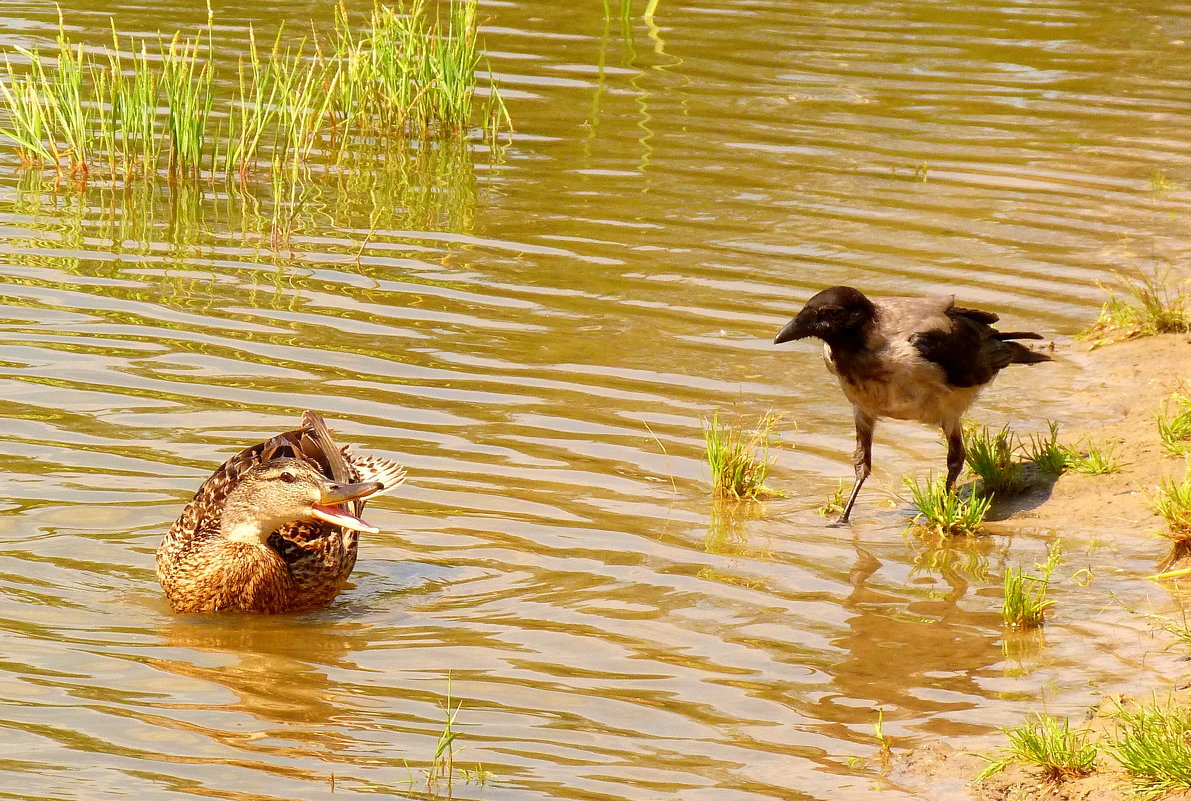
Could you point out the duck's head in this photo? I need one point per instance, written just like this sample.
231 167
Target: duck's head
273 493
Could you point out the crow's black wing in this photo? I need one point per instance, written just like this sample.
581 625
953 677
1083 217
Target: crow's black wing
969 351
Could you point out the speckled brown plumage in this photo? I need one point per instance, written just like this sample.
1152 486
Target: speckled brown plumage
303 564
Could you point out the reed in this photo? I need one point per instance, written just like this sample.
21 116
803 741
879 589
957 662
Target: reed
134 93
63 87
28 127
413 75
253 112
186 85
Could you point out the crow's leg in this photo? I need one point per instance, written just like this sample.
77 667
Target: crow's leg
955 450
863 458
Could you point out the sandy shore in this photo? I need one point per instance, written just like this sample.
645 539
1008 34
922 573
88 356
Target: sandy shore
1128 381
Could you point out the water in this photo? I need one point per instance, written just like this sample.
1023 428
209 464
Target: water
538 335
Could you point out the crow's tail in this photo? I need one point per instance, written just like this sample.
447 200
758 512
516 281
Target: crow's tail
1020 354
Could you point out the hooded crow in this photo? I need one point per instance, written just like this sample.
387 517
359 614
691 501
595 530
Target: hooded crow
922 359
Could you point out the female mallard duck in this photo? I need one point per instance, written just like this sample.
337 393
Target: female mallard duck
268 531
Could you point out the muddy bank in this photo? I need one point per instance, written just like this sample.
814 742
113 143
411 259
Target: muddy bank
1127 383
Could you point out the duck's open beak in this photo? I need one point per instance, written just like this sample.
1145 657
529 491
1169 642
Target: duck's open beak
329 510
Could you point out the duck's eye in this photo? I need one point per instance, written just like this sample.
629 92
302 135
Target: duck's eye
288 477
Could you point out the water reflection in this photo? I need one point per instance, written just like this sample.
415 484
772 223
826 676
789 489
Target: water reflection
525 329
276 668
428 187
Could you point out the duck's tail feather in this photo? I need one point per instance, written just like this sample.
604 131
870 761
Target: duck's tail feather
379 468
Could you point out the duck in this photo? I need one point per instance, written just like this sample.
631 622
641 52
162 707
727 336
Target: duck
275 528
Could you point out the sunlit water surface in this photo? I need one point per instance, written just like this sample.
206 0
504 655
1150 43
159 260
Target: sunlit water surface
538 334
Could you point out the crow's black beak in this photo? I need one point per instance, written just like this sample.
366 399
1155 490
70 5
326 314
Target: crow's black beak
798 328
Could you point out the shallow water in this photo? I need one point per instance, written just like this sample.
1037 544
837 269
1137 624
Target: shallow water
538 335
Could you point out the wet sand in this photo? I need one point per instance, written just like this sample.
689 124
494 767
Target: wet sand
1129 382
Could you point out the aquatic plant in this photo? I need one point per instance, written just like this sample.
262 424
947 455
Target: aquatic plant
738 459
835 504
1143 305
1174 424
412 76
1151 743
1025 603
942 511
991 457
884 742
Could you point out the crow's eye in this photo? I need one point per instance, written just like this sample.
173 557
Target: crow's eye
288 477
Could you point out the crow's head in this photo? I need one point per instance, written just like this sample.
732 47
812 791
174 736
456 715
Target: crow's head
835 315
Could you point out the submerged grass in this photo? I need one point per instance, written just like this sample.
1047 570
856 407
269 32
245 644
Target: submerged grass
739 459
943 512
1025 602
835 504
158 110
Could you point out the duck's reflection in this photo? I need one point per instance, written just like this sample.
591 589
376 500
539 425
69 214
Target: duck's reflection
276 666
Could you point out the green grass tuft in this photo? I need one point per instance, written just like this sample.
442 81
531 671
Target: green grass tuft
1025 603
991 457
943 512
1151 743
1174 425
1051 744
1046 452
1144 305
1095 460
1173 504
739 459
